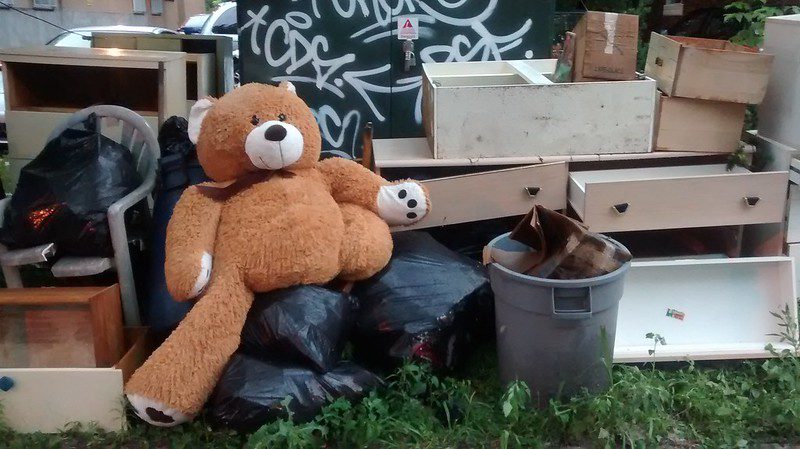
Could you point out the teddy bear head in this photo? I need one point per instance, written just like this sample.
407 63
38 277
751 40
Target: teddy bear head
254 127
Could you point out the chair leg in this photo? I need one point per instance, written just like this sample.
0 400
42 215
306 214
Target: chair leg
11 274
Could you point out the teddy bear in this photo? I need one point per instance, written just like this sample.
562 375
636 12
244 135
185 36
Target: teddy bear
273 216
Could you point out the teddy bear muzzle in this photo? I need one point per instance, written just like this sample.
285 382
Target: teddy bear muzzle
274 145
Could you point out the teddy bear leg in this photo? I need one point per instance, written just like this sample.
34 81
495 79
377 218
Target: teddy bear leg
366 243
176 380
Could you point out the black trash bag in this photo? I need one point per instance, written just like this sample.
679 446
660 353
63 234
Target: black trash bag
251 391
305 324
63 195
428 304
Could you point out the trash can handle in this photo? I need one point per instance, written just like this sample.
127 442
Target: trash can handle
559 298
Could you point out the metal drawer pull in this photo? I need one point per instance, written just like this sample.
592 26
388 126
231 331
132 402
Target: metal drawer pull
659 61
533 191
751 201
620 208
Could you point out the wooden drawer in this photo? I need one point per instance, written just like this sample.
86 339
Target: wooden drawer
494 194
28 130
708 69
712 309
686 124
676 197
491 110
48 399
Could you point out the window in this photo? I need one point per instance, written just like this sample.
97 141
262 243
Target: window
44 4
139 6
156 7
226 23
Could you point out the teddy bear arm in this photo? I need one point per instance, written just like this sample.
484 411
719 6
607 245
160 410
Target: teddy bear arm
397 203
352 183
190 244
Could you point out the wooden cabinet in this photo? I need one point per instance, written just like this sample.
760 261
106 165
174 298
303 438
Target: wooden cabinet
779 114
44 85
676 197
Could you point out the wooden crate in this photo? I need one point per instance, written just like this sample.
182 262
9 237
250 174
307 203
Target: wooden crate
689 196
44 85
74 327
687 124
708 69
705 309
49 399
510 109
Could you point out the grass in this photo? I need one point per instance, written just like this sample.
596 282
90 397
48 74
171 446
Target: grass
739 404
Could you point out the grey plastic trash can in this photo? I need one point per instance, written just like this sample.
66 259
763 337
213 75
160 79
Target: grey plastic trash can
553 334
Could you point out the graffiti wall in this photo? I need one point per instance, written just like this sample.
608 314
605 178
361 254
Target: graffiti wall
347 62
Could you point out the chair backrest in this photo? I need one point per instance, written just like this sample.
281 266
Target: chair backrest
136 135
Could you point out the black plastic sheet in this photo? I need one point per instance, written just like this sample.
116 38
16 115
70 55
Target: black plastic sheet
251 391
428 304
63 195
305 324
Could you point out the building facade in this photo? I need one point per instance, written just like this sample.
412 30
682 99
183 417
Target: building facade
19 30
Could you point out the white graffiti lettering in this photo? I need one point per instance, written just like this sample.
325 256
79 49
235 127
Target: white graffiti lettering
304 54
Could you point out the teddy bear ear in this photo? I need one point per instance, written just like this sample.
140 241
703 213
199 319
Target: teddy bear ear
196 116
288 86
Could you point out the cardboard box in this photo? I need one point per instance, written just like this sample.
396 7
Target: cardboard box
708 69
606 46
686 124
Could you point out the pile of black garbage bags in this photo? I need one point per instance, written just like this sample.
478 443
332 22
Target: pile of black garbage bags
314 344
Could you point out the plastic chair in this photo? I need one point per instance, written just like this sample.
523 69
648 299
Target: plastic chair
141 140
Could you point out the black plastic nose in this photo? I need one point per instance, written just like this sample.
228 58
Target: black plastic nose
275 133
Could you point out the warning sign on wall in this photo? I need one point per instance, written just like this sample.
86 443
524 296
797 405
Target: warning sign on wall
407 28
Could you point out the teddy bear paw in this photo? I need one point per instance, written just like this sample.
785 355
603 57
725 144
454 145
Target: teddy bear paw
156 413
402 204
204 276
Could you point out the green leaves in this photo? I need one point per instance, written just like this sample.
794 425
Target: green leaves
751 15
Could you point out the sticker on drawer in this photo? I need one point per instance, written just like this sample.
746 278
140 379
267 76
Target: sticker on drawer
677 314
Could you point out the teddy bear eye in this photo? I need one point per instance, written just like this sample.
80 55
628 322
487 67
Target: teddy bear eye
254 120
282 117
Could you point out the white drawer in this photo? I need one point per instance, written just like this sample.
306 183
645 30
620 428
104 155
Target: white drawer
48 399
705 309
676 197
494 194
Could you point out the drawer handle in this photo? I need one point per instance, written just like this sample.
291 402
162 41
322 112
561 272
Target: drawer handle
659 61
751 201
533 191
6 383
620 208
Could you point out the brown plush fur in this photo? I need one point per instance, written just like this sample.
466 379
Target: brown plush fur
306 224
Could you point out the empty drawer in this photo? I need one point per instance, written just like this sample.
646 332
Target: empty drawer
494 194
676 197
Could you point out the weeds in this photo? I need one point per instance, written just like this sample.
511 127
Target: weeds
739 405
